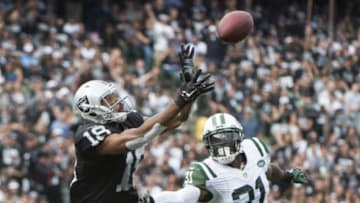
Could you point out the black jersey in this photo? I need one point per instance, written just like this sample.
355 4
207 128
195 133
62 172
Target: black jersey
104 178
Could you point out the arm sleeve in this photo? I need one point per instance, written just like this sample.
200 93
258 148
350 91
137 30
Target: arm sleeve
141 141
188 194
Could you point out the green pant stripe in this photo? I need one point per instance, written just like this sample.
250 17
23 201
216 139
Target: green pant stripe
265 146
257 146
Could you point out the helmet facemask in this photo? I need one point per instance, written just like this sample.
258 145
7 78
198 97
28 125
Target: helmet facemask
112 108
224 144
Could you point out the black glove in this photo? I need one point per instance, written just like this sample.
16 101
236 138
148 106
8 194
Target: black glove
186 55
189 91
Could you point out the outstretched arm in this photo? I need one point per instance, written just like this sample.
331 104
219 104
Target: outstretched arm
277 175
186 55
188 194
194 190
181 117
118 143
187 76
132 138
176 112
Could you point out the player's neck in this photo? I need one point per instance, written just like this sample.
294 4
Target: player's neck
239 162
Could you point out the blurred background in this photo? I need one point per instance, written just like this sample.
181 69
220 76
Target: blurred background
294 82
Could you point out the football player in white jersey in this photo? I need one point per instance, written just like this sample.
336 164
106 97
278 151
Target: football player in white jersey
237 170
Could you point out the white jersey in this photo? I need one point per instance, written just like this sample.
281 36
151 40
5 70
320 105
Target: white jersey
233 185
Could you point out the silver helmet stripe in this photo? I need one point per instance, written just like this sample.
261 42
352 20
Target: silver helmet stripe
214 120
222 118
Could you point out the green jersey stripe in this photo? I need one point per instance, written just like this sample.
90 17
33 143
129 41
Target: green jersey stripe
211 171
265 146
199 171
257 145
262 145
206 171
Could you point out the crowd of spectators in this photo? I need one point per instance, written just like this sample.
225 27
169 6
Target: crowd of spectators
293 83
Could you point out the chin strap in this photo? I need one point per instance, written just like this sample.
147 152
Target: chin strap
104 114
118 117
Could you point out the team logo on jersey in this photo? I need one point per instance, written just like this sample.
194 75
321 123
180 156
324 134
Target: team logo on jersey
261 163
81 101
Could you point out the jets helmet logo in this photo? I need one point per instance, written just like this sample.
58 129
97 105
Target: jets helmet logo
261 163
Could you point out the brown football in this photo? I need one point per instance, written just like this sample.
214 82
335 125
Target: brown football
235 26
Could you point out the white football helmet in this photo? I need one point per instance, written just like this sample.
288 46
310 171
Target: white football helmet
222 136
99 101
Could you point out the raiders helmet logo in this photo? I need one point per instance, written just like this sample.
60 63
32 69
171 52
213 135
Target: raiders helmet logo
80 104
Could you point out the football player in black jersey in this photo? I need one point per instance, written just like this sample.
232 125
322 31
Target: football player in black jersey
110 141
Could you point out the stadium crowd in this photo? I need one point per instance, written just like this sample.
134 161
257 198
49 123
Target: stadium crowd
294 85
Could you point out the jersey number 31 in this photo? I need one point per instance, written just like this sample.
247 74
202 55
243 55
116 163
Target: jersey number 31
247 189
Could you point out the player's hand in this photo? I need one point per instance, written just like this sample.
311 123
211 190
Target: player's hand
189 91
186 55
146 198
298 176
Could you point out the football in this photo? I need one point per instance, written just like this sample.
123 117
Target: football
235 26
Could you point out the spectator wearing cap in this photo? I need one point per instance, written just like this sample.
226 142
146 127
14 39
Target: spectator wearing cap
27 58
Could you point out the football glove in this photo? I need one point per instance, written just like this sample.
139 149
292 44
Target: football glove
186 55
189 91
146 198
296 175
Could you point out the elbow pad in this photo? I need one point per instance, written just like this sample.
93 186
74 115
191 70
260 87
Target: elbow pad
141 141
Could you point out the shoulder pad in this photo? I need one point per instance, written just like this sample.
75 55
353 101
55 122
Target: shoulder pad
91 137
134 119
260 147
